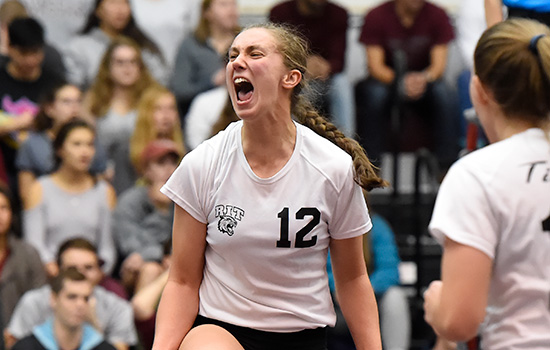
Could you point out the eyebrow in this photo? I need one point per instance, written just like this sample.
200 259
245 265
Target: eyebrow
248 48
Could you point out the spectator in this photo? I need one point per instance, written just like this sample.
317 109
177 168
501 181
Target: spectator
167 23
406 45
157 118
108 20
22 81
112 101
200 60
325 25
10 10
70 202
20 266
70 300
111 315
143 217
35 157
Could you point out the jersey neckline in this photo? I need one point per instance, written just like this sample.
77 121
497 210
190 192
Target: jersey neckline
283 171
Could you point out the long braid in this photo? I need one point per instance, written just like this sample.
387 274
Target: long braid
295 51
365 174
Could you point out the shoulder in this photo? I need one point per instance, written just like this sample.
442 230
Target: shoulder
109 300
326 157
336 10
110 193
35 194
216 147
21 249
133 196
35 298
382 9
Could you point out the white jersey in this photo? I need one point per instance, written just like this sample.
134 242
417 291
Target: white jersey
267 239
497 200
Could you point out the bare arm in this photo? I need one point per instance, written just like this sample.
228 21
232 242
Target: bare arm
493 12
355 293
438 62
377 66
174 318
455 306
26 179
145 301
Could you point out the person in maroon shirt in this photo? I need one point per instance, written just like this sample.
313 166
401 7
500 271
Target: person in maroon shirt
324 24
406 46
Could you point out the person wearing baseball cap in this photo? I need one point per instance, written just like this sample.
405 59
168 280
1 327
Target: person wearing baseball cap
142 220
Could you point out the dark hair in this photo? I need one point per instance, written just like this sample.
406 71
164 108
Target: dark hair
516 71
64 132
294 48
70 274
76 243
131 30
26 33
42 121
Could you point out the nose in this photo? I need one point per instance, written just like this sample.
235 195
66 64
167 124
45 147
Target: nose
238 63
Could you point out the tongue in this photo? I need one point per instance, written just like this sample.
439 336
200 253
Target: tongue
245 96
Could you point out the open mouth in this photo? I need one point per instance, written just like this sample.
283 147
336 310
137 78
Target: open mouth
244 89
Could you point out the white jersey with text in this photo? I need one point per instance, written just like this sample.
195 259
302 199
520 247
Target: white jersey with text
497 200
267 238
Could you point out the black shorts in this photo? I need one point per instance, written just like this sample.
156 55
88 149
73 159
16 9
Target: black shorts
252 339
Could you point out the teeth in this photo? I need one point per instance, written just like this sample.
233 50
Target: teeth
240 80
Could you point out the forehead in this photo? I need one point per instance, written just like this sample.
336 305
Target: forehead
254 37
77 256
123 51
76 287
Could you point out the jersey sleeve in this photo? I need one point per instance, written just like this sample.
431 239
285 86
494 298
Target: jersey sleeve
463 212
186 185
350 217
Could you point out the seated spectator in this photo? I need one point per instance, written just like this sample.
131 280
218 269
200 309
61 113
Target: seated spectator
35 157
20 266
112 101
167 23
70 301
111 315
108 20
10 10
142 220
22 82
200 62
157 119
70 202
81 253
146 299
406 45
382 259
325 25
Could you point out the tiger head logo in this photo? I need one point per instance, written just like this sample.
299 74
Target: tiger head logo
227 225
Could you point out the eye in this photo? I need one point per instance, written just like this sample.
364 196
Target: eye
256 54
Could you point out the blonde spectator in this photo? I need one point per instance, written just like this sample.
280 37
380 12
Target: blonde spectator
157 118
112 101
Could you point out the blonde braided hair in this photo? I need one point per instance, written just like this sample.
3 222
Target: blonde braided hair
295 51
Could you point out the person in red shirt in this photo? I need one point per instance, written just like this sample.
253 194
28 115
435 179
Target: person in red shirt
406 45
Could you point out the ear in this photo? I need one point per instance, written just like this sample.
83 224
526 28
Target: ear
293 78
480 91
